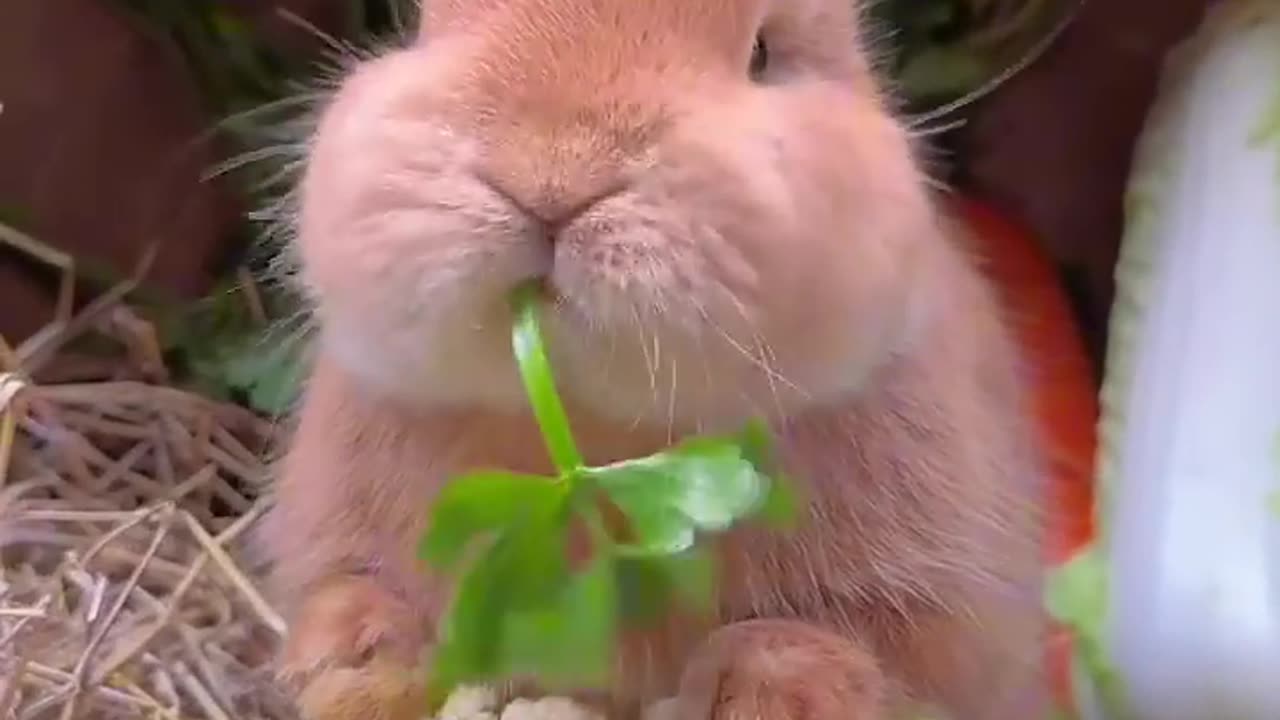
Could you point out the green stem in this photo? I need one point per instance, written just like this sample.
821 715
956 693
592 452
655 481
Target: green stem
539 383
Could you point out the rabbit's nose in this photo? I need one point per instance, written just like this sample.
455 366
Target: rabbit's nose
553 205
553 173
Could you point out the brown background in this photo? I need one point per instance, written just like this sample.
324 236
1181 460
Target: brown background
101 147
99 140
1053 146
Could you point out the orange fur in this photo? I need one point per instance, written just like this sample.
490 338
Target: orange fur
717 248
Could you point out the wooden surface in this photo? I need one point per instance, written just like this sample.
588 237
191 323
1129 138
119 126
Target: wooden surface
101 148
96 141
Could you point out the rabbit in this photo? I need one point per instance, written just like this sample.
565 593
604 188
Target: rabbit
727 220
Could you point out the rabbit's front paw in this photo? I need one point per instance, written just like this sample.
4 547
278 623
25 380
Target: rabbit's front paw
351 654
779 670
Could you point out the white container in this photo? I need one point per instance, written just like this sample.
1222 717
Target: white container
1189 455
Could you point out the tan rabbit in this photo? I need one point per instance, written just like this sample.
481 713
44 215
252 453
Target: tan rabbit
729 222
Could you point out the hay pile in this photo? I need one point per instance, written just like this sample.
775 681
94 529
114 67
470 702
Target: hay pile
127 585
125 507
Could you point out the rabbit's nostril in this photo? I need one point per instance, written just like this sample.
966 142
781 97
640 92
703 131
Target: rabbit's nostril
551 205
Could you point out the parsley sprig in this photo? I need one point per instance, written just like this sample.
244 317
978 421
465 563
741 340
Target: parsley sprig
519 609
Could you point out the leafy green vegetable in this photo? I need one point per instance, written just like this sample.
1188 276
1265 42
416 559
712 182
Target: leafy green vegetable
1077 597
535 370
519 610
484 502
701 484
572 640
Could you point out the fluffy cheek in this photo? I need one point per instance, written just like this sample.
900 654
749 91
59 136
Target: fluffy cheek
840 296
407 257
765 265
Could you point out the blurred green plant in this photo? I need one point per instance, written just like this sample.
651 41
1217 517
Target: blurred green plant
220 346
235 65
15 216
941 51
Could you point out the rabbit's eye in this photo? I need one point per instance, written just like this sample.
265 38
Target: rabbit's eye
759 58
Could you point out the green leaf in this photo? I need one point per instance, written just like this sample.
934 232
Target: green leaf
1076 592
781 503
537 565
706 480
704 484
1076 595
539 383
571 639
469 640
518 611
719 485
648 584
657 525
567 637
485 502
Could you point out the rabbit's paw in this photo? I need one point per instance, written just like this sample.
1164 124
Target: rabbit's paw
779 670
351 655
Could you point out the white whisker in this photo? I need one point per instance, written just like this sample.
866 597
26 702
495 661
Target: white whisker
761 361
924 129
644 349
342 47
270 152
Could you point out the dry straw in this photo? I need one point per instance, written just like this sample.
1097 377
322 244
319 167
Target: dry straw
126 589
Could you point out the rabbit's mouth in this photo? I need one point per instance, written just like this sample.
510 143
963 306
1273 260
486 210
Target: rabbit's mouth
649 349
